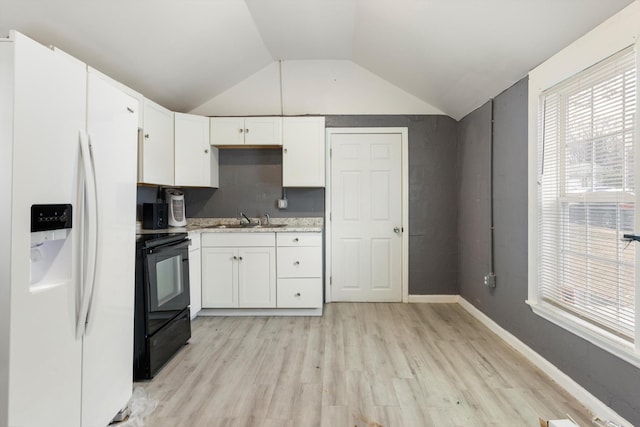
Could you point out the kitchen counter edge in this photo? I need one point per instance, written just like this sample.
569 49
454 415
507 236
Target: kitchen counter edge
204 225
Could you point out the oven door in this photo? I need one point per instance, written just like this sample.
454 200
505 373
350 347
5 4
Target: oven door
167 278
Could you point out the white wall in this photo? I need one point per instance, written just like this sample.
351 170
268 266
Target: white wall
314 87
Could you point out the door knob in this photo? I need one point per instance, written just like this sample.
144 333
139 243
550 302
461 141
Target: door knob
396 229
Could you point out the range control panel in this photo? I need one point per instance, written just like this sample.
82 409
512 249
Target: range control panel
50 217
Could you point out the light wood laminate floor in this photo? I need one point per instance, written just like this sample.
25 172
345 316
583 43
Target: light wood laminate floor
358 365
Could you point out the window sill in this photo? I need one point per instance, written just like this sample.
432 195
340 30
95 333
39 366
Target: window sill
603 339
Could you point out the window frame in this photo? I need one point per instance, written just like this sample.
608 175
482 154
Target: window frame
612 36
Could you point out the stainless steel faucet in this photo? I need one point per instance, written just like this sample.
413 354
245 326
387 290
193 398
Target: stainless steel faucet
268 218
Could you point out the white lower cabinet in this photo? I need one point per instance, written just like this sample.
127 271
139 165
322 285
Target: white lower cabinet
299 292
256 277
219 278
195 274
238 270
299 270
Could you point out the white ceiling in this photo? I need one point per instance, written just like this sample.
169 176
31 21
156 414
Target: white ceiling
452 54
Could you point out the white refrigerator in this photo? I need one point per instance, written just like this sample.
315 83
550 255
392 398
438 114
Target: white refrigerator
68 137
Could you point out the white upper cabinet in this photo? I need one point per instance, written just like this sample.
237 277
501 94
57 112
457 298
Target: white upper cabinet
303 152
156 157
227 131
246 131
196 162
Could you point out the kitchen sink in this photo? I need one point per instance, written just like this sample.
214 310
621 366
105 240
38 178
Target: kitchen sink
223 226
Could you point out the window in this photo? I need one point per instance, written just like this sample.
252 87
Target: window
587 195
586 144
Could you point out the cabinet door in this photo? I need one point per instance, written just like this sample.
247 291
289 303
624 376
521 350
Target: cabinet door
195 274
156 146
303 152
263 131
195 282
219 277
227 131
257 277
192 153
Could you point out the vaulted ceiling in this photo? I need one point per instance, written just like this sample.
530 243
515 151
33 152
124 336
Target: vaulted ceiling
452 54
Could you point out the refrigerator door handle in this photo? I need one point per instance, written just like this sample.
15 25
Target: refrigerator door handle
90 257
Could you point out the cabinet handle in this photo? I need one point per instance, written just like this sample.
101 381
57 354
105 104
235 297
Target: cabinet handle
235 257
296 263
284 150
296 240
206 151
241 130
297 294
246 130
146 136
240 258
129 109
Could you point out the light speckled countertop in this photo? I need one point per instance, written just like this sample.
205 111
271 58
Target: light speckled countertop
309 225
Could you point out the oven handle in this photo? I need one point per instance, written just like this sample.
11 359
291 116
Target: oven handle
182 244
89 261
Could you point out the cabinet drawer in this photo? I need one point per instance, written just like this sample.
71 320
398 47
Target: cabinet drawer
300 262
238 239
299 239
299 293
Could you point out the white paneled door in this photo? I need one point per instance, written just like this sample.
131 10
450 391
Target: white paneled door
366 217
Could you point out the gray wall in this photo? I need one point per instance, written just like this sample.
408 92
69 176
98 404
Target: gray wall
474 196
251 182
614 382
433 265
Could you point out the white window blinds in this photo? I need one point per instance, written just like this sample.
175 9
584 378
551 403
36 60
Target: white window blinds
586 200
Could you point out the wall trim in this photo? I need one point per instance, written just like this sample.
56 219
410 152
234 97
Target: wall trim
433 299
595 405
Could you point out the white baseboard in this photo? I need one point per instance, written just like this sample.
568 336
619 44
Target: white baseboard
597 407
431 299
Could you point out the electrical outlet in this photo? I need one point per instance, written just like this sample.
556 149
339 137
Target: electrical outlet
282 204
490 280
